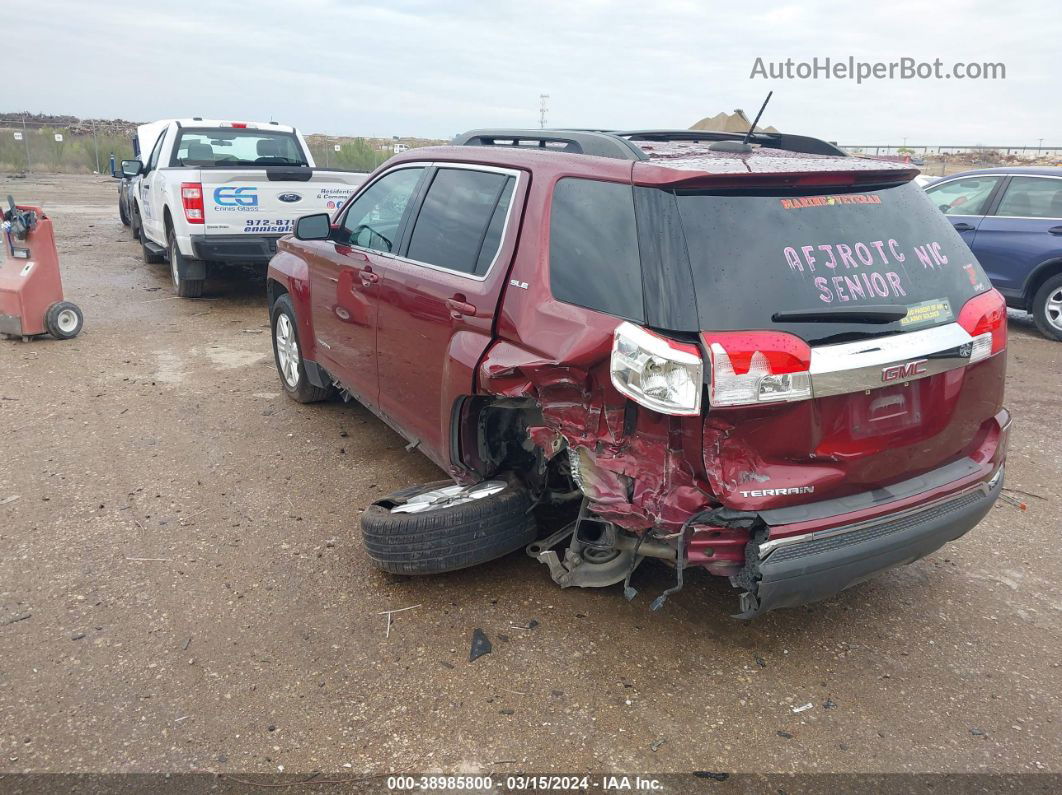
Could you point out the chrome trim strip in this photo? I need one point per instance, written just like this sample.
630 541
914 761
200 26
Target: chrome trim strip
984 487
858 366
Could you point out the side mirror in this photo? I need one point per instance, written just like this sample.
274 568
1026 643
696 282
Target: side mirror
132 168
314 227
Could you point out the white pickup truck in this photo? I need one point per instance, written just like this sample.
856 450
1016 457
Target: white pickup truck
225 191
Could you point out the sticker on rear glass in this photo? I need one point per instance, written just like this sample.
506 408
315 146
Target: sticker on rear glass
934 311
800 202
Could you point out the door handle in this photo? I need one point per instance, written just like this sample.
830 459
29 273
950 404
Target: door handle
459 307
1055 230
962 226
368 277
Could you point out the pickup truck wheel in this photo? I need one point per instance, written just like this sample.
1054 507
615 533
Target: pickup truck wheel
1047 308
121 211
438 527
185 288
287 353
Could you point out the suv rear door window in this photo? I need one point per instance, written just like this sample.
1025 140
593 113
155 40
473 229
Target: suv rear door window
593 247
373 219
455 223
1032 197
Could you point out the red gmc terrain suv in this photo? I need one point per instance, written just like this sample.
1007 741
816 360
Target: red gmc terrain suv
765 359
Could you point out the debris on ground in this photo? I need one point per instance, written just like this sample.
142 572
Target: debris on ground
785 735
711 774
829 704
10 499
803 708
529 625
1021 506
16 617
389 613
480 645
654 746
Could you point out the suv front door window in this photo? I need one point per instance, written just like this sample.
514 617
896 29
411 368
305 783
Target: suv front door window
373 219
965 201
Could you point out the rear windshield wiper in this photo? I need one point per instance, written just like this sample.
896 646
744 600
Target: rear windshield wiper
838 314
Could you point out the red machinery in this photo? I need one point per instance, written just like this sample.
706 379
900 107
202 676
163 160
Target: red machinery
31 290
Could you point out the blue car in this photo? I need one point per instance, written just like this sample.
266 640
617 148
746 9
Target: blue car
1012 219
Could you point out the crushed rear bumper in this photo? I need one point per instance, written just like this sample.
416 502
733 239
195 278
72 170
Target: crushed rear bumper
800 569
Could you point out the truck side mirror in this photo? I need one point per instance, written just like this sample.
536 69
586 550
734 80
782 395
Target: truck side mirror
313 227
132 168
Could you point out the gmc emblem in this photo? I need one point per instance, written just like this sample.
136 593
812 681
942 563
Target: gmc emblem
901 372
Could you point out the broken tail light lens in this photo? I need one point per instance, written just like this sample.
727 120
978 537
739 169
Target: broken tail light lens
985 319
659 373
192 199
753 367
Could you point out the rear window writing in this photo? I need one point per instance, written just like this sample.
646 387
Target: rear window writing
755 255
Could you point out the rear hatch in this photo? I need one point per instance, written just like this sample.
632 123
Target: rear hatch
851 335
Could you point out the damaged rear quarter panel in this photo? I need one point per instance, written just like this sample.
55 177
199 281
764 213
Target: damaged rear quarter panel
639 469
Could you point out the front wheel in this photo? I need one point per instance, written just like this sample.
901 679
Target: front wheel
288 356
1047 308
184 287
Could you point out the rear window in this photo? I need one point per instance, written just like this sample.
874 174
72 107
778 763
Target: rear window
228 147
753 256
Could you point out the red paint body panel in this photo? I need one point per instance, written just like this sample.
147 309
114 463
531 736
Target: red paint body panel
31 284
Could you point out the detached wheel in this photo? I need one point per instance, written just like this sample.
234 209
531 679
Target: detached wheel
185 288
64 320
1047 308
287 353
438 527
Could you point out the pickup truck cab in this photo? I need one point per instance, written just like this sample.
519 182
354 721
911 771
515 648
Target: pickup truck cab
764 359
225 191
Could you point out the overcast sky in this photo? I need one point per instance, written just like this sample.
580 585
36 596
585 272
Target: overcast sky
432 69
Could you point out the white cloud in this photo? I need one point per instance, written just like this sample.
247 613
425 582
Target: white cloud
427 68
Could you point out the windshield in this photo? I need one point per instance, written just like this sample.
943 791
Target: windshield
809 263
225 147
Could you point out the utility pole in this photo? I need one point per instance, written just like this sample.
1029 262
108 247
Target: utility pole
96 144
543 106
25 140
1041 146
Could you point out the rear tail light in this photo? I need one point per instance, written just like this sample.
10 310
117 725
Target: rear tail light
752 367
985 319
192 199
659 373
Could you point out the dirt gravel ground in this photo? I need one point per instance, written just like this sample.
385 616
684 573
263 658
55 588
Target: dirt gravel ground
183 586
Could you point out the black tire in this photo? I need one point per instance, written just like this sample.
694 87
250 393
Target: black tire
122 211
1040 311
185 288
64 320
302 390
447 538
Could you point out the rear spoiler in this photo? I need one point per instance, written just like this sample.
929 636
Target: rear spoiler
661 176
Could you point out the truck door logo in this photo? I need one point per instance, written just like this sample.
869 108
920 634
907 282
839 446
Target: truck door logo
236 197
901 372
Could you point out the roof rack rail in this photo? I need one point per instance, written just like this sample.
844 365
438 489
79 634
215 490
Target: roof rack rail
784 141
579 142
